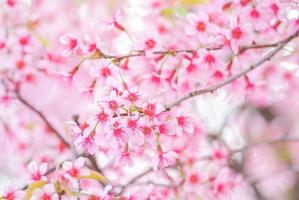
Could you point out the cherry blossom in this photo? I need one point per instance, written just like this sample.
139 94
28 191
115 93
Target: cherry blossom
37 172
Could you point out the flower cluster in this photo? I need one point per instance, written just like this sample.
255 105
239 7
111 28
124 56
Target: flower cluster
129 124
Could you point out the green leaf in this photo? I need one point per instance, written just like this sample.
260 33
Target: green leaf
32 187
96 176
193 2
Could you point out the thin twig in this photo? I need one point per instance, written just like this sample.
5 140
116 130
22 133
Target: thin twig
42 116
91 158
271 142
133 180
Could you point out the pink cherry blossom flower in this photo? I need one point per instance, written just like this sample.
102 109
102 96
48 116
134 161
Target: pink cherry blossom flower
37 172
165 159
134 130
11 193
200 26
102 117
77 130
239 34
46 193
125 158
114 23
71 44
96 194
152 110
74 169
87 142
117 133
184 124
148 134
132 96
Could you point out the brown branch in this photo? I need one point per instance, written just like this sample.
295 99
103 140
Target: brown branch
91 158
42 116
133 180
257 46
212 88
271 142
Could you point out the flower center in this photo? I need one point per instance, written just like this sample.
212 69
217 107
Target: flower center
132 97
194 179
105 72
113 105
73 43
181 120
254 13
209 59
46 197
74 172
237 33
274 7
102 117
201 26
150 43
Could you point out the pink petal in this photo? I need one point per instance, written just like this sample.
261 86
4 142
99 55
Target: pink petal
43 168
79 162
67 165
193 18
32 167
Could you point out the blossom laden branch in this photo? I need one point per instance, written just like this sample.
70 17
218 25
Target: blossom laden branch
55 131
280 45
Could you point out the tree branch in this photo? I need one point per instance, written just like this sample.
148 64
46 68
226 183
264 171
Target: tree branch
91 158
212 88
271 142
133 180
42 116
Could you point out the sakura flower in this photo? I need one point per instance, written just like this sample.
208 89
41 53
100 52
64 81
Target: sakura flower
154 81
112 102
114 23
258 18
239 34
74 169
200 26
132 96
152 110
167 127
148 134
77 130
87 142
125 158
89 90
101 117
103 71
184 124
71 44
210 59
96 194
68 76
12 194
46 193
117 133
165 159
148 42
37 172
194 179
134 130
89 44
